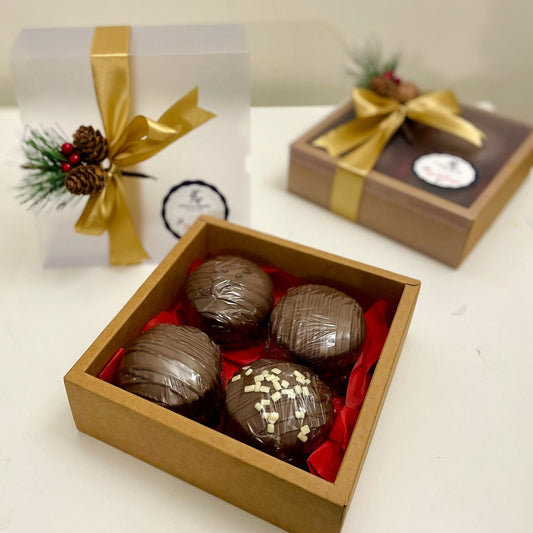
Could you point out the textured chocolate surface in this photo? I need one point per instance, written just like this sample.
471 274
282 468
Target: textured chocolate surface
232 298
177 367
319 327
306 403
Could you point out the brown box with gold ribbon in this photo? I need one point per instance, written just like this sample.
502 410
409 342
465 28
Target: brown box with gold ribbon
431 189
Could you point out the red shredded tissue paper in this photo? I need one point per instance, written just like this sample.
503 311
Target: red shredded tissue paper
326 460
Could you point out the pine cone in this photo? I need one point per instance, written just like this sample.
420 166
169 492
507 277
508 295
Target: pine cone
384 86
91 144
85 179
407 91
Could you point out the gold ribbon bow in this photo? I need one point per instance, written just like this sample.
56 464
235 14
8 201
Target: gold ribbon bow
129 143
377 119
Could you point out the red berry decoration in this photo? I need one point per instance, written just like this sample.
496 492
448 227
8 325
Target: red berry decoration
66 167
67 148
74 158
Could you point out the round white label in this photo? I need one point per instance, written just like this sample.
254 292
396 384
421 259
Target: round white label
445 170
185 202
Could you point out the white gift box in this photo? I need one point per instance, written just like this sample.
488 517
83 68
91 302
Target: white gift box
202 172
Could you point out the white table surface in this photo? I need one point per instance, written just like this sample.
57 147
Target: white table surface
452 450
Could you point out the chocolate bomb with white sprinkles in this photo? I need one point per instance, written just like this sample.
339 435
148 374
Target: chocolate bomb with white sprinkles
177 367
230 298
319 327
280 408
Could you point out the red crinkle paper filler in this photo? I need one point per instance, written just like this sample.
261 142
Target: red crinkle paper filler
325 461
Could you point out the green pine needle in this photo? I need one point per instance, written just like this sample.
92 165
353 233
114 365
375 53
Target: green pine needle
368 62
44 182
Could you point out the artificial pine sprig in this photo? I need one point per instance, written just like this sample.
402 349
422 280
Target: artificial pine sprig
368 62
59 171
44 181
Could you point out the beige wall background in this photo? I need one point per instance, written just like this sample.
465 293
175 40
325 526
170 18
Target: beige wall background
482 49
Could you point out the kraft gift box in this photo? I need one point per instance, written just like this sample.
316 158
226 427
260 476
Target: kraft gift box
231 470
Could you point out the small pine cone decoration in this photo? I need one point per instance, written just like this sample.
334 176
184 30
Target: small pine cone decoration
85 179
407 91
384 86
91 144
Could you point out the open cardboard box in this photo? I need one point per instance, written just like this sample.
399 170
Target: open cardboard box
443 223
235 472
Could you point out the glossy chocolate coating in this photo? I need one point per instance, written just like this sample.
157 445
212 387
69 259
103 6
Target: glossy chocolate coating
245 422
177 367
319 327
232 298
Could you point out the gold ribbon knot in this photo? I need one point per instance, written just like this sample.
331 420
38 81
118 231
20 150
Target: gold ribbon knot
129 143
377 119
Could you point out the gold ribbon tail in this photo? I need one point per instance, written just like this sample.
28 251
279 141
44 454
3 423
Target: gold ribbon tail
348 183
107 210
442 111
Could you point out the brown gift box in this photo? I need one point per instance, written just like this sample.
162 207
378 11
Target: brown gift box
235 472
443 223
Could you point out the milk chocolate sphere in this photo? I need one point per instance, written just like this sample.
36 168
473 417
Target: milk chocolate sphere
177 367
231 299
319 327
280 408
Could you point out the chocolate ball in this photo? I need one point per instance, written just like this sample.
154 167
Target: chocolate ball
319 327
231 299
177 367
280 408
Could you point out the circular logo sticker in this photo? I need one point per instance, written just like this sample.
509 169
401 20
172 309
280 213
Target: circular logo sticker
185 202
445 170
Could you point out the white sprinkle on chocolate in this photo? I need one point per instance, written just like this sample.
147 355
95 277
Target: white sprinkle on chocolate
276 371
258 406
264 388
300 379
264 415
249 388
305 429
307 381
298 389
298 373
276 396
257 386
259 378
270 429
246 367
248 372
236 377
305 391
265 402
268 377
265 372
302 437
288 392
284 383
277 386
298 414
273 417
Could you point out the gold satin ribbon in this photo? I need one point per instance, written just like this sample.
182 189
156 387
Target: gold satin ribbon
129 143
365 137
